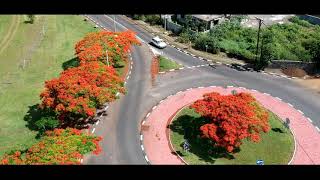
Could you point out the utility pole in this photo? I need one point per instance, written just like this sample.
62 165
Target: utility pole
260 21
114 23
165 22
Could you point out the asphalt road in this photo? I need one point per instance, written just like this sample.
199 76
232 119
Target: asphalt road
121 128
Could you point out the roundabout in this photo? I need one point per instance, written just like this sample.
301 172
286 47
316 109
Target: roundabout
156 132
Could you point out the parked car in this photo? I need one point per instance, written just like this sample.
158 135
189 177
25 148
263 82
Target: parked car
158 42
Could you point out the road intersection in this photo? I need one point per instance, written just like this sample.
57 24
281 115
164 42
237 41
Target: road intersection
121 127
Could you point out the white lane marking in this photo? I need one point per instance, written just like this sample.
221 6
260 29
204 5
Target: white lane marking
309 120
160 101
266 94
198 66
317 129
279 99
228 64
148 115
125 82
300 112
181 68
179 92
93 130
290 104
146 158
189 89
141 137
101 115
97 122
200 87
213 86
143 122
242 87
171 70
129 73
189 67
117 94
106 107
162 72
229 86
154 107
254 90
128 77
142 147
123 27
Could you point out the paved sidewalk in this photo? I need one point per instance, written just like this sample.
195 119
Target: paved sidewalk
155 136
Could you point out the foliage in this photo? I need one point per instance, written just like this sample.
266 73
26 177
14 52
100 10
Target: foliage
31 18
207 43
138 17
193 24
78 91
153 19
93 47
233 118
60 146
289 41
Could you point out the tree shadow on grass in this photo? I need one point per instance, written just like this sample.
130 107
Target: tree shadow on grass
70 63
279 130
35 115
189 127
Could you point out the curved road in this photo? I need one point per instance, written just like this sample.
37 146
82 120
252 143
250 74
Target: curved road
120 128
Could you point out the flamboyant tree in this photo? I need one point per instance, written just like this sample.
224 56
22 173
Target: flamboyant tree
232 119
96 45
60 146
78 91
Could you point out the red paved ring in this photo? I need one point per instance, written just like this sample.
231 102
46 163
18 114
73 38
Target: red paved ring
156 143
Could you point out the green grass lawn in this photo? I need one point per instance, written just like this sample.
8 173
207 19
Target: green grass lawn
166 64
20 89
274 148
5 22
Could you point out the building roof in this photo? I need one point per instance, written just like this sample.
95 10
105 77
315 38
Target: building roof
208 17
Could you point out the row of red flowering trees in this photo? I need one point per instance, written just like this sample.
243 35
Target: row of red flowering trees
70 101
232 118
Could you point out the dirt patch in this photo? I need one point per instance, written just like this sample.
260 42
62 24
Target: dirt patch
154 68
313 84
295 72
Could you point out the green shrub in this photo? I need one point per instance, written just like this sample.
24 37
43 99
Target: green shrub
205 42
300 22
153 19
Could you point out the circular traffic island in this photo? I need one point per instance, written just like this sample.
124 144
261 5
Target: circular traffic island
201 133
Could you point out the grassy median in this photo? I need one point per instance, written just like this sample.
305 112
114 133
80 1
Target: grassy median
20 87
166 64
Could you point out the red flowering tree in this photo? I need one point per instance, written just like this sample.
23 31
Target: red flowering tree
94 46
60 146
232 119
78 91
